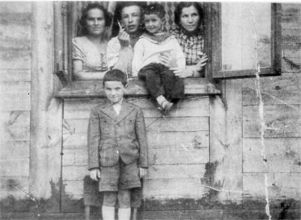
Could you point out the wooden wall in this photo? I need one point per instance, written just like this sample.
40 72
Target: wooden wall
30 115
235 119
282 115
15 100
178 147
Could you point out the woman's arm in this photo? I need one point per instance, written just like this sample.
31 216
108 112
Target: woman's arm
79 74
78 57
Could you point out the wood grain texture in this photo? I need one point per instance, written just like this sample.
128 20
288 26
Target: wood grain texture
175 171
168 124
89 89
280 185
11 75
73 189
17 189
14 149
280 120
173 188
15 96
283 155
275 90
20 167
226 140
46 112
190 106
74 173
16 126
178 155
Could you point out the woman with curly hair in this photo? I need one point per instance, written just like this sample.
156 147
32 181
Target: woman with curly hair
89 49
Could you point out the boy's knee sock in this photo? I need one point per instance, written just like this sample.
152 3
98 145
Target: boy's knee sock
134 214
108 213
124 213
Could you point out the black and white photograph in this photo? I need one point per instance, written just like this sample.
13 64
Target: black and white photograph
150 110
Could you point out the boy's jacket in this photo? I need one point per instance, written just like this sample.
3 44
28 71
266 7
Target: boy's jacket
112 136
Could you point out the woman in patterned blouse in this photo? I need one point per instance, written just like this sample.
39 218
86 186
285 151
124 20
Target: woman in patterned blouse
188 18
89 50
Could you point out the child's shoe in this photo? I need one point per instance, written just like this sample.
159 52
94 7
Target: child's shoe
164 105
167 106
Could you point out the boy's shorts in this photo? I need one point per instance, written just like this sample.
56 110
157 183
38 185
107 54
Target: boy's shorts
119 176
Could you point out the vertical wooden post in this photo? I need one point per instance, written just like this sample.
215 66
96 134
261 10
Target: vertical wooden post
46 111
226 141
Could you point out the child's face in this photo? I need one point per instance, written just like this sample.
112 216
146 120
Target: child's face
153 23
114 91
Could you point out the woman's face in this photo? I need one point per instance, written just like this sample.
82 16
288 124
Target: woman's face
190 18
95 22
131 17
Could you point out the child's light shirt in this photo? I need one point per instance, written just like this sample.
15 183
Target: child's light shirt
117 107
148 51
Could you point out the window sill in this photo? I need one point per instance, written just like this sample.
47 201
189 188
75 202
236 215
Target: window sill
94 89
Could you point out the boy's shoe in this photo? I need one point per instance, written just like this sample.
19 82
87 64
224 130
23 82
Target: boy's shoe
167 106
164 105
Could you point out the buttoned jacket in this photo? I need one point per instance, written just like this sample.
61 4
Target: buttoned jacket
112 136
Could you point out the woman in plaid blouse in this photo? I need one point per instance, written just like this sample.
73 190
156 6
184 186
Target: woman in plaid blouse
188 17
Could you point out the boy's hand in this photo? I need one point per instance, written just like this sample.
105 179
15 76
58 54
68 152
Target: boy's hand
142 172
95 174
165 59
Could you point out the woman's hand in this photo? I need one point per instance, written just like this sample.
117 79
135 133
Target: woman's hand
182 73
202 62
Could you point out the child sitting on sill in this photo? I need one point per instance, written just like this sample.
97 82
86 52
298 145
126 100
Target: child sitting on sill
149 59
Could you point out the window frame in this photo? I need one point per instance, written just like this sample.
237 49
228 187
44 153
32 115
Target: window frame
63 16
276 39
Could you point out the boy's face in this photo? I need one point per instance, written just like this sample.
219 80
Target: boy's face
130 17
153 23
114 91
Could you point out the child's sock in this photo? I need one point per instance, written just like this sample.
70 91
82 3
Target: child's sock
124 213
108 213
164 104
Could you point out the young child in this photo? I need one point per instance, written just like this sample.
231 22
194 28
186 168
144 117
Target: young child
117 147
150 59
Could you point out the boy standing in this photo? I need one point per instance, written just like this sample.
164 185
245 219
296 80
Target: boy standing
117 147
150 59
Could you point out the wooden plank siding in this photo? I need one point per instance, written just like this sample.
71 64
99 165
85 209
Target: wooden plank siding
282 137
15 98
178 146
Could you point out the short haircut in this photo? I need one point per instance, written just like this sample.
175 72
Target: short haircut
155 8
82 22
118 11
181 5
115 75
